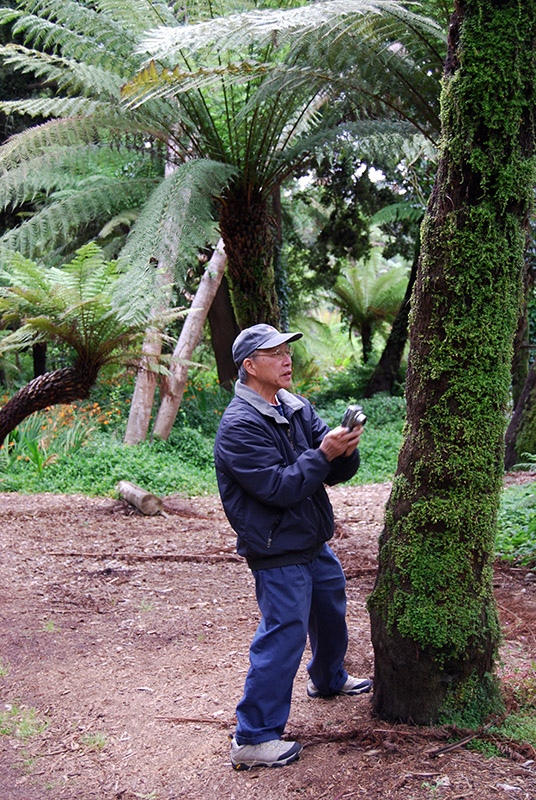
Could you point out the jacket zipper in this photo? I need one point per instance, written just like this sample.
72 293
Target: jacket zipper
279 517
276 524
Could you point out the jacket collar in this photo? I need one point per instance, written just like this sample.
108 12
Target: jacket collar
291 401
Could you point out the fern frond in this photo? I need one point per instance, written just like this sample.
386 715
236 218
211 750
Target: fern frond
291 27
48 136
395 212
78 31
138 15
186 198
56 224
67 73
71 304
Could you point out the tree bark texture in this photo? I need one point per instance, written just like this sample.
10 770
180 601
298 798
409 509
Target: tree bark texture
387 371
192 330
434 623
139 417
246 229
61 386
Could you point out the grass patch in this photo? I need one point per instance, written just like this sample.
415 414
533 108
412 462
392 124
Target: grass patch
96 742
21 723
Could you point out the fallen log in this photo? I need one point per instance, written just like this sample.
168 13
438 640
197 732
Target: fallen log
149 504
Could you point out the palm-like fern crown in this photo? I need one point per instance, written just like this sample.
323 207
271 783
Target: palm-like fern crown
71 304
372 291
252 90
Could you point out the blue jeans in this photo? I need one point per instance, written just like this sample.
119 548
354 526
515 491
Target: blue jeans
295 600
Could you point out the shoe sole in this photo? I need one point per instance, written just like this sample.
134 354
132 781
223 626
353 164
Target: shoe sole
353 693
242 767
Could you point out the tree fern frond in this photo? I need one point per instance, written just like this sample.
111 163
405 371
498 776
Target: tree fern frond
38 139
127 217
151 82
51 107
78 30
395 212
291 27
71 304
185 197
67 73
138 15
56 224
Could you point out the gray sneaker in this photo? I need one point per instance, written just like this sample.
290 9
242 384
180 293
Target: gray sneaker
274 753
351 686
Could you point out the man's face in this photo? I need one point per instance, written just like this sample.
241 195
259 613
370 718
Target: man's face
272 367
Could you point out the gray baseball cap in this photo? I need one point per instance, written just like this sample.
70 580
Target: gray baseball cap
259 337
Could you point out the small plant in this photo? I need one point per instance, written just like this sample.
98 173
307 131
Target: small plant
22 723
145 606
4 669
49 626
94 741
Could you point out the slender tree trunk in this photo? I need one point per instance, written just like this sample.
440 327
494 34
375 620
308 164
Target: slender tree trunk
387 371
366 340
246 231
434 623
521 432
39 355
139 417
223 331
61 386
188 341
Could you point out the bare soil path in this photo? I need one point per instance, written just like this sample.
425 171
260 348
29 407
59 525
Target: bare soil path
128 636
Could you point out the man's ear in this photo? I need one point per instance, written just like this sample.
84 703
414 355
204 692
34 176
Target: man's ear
249 366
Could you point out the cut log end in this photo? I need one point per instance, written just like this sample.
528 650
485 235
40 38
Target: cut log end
149 504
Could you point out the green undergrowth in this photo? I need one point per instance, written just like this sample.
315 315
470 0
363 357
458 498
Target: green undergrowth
79 448
516 538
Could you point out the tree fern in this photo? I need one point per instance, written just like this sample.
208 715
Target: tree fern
255 91
72 304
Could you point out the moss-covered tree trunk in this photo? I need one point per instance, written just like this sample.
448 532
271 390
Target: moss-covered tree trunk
434 623
246 230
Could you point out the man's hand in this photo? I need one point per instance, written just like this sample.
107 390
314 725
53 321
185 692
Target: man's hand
341 441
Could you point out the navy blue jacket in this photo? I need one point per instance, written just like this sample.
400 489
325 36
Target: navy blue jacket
271 478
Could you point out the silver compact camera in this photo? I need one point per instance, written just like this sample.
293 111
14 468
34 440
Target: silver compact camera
353 416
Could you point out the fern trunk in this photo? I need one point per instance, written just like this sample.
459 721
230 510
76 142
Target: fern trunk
433 619
246 229
61 386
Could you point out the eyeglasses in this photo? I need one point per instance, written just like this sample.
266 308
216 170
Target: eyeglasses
281 353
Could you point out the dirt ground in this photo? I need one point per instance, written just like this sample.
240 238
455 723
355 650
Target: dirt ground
129 636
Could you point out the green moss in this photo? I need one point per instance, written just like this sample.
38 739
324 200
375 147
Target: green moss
467 705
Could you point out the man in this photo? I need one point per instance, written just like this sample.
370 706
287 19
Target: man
273 456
